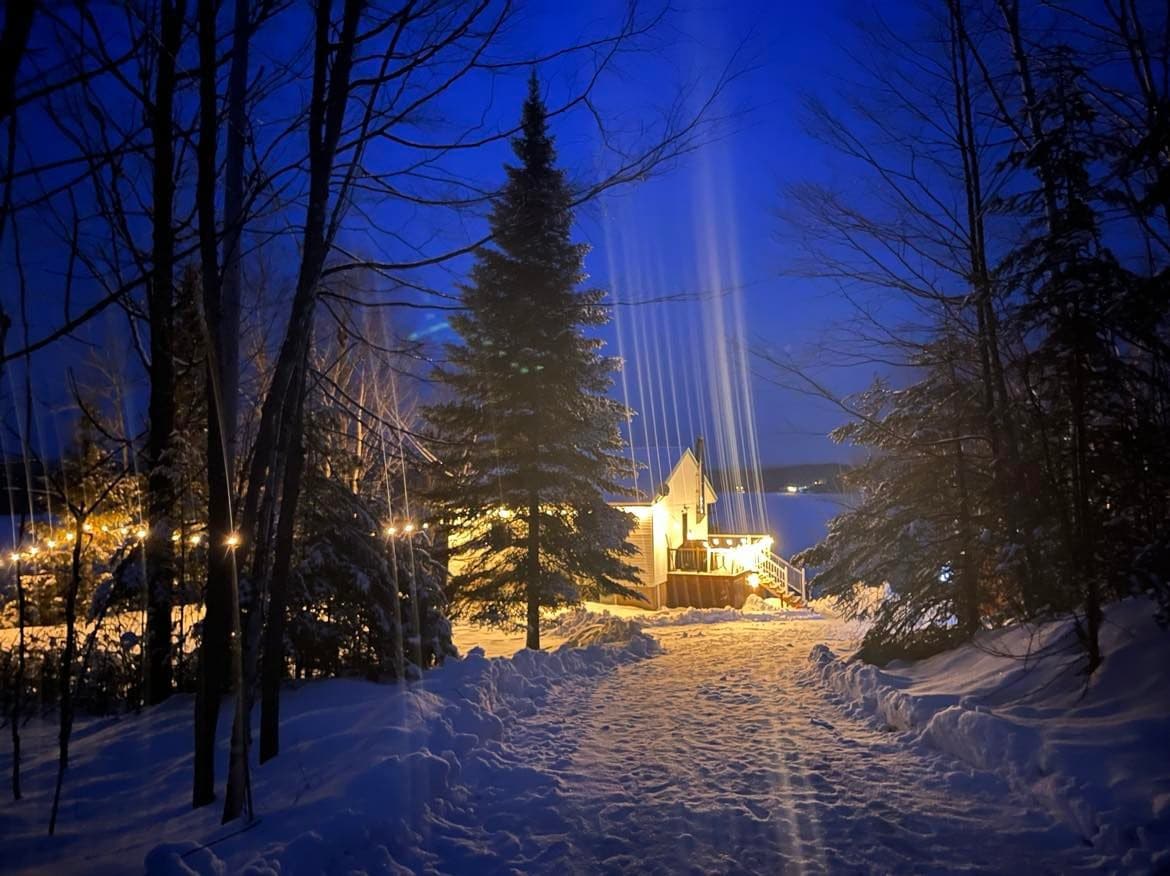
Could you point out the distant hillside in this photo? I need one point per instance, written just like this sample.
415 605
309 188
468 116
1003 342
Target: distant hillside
811 477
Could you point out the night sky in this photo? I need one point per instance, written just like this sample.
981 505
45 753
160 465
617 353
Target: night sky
707 223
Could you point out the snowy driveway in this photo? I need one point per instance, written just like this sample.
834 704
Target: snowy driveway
721 756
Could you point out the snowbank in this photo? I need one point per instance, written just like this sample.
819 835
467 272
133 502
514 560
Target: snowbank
865 602
598 623
1097 756
759 611
371 778
582 628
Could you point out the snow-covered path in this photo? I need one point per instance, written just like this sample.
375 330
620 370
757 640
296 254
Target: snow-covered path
725 753
722 756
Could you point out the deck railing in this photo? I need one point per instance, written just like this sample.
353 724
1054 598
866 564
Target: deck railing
784 574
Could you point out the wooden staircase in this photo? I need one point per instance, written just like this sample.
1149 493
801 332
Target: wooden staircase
781 575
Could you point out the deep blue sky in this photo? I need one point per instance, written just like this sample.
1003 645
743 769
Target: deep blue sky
708 222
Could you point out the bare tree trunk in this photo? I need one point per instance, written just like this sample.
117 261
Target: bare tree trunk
273 667
398 647
18 692
160 490
213 642
280 428
1006 468
65 728
1080 551
533 575
18 21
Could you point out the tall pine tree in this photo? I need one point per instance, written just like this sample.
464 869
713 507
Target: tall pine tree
538 439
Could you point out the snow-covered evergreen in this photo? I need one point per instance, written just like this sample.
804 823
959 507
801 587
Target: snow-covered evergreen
534 439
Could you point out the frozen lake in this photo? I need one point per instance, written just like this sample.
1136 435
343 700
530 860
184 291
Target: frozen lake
796 520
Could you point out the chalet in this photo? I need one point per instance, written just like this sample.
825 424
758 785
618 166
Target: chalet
684 561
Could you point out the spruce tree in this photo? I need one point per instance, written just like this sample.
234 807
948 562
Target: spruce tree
537 441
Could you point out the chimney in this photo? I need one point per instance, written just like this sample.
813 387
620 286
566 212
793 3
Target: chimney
701 499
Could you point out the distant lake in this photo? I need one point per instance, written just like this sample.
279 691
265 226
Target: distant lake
796 520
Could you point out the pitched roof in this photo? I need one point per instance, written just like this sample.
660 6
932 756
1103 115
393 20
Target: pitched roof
648 468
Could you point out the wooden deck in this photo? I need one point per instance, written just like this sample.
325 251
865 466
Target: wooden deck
706 590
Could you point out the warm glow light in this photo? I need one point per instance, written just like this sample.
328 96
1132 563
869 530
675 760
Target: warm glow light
175 536
792 488
391 531
233 540
196 538
753 580
51 544
408 528
504 513
33 551
85 527
140 534
15 557
426 526
69 536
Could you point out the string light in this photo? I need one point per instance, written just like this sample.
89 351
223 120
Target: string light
233 540
408 528
391 531
195 539
14 556
141 534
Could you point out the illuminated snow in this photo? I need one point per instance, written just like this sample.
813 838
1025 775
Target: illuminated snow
710 747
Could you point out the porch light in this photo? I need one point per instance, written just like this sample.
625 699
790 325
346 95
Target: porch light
753 580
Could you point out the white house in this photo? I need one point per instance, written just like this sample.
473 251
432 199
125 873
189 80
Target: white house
682 561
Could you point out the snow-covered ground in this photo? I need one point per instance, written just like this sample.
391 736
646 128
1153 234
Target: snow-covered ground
709 747
1097 756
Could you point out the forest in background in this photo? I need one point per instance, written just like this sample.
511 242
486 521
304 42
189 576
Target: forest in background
1005 242
246 202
